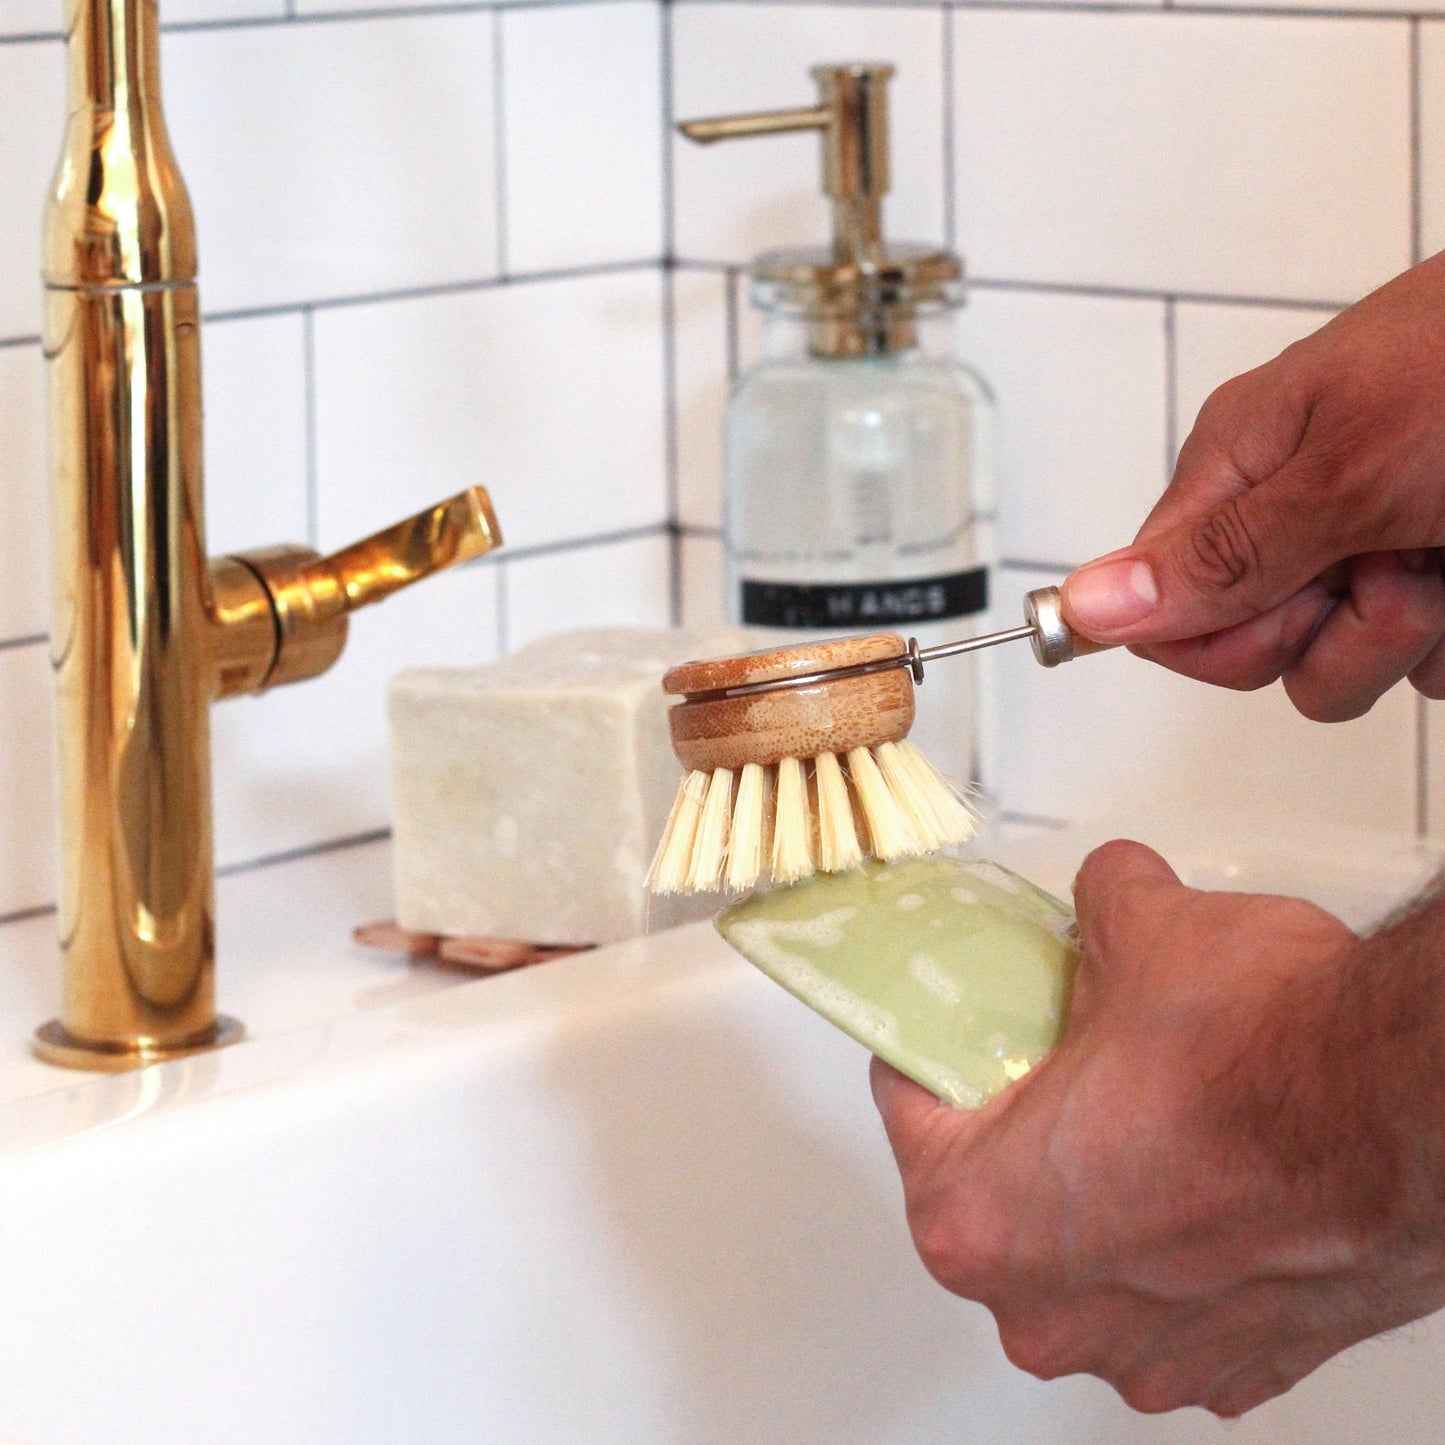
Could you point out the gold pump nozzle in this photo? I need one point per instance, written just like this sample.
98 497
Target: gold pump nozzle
852 115
861 295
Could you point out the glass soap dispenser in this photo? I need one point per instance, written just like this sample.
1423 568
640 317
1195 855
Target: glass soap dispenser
857 450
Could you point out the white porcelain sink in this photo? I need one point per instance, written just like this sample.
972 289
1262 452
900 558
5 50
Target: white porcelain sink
635 1196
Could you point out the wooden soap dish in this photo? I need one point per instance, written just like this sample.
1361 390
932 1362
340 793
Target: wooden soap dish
475 955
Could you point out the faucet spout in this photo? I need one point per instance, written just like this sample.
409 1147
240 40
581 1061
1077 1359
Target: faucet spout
146 630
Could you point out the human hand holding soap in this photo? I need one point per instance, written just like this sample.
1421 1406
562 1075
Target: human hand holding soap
1232 1166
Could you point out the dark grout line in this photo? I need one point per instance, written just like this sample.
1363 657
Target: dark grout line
671 412
692 530
306 850
670 447
949 121
733 321
575 544
33 639
1034 564
1417 248
1034 820
22 915
441 288
669 180
361 13
1171 386
1144 293
499 125
679 263
1061 7
1080 288
726 268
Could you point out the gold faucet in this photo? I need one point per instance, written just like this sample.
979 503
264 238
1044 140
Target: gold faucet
147 632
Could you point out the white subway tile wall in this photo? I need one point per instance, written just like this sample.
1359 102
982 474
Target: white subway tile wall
1214 343
583 148
445 243
551 394
33 17
293 198
1238 154
24 515
1079 384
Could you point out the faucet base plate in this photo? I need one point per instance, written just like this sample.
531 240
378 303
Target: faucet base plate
55 1044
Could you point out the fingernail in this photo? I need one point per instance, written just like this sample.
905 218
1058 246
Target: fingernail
1109 594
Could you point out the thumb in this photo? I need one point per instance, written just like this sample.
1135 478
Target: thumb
1118 894
1225 564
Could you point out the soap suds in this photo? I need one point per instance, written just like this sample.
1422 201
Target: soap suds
764 941
926 970
909 901
824 931
963 895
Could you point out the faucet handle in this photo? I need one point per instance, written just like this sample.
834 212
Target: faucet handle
280 613
453 531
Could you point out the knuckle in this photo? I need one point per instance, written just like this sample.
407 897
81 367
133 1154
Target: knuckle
1153 1392
1030 1349
1224 550
960 1254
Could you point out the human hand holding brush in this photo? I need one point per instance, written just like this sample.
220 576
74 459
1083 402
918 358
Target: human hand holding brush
1301 536
1234 1165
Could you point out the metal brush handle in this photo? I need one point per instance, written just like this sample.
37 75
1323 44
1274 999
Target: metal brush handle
1054 641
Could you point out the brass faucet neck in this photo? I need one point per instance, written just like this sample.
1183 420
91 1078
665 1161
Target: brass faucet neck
119 213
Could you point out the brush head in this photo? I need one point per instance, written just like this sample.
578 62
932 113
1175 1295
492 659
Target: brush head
824 774
712 730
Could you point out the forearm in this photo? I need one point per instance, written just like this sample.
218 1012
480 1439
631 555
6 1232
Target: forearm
1344 1093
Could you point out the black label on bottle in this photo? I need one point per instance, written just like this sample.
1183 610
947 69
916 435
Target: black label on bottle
865 604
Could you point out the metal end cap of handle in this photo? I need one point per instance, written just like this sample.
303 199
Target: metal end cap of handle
1053 639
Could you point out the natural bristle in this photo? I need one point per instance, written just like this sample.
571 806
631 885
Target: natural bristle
745 838
838 847
792 825
890 833
709 847
783 823
673 860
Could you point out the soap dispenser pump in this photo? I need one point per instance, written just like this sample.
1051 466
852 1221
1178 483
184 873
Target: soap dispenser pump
858 449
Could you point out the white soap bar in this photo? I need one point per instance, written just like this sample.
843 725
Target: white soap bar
528 795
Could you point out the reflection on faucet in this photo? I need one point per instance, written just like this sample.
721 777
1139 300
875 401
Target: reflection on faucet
147 632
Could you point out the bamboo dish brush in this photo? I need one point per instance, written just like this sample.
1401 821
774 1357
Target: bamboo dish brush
799 762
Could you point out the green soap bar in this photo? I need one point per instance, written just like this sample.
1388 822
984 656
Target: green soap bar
957 973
